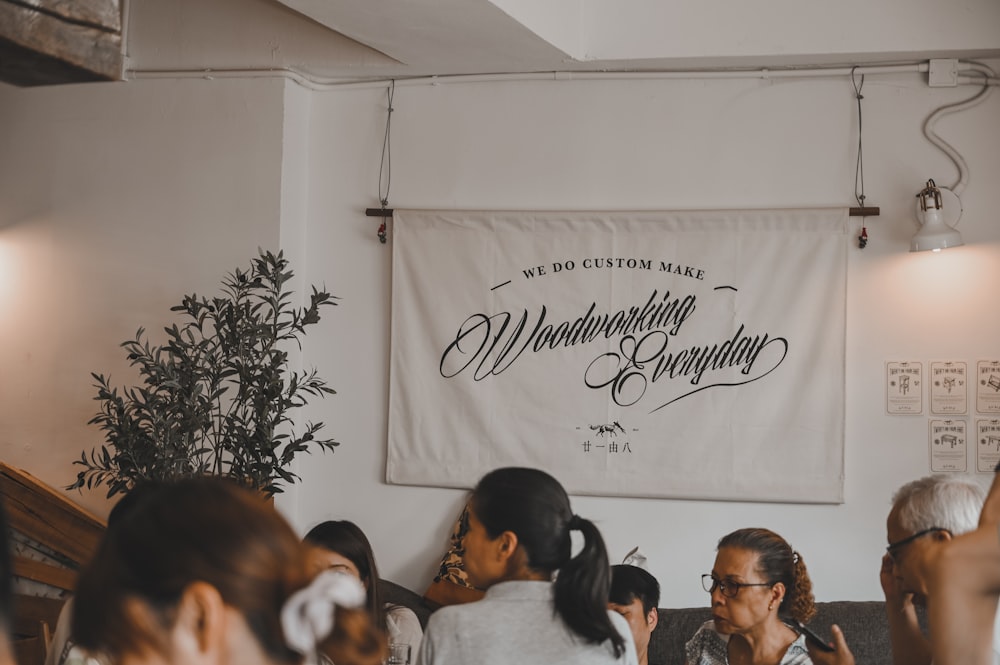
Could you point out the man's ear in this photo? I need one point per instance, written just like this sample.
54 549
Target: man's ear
199 631
942 536
652 618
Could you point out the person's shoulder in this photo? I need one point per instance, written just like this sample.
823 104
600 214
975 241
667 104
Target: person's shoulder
403 622
399 612
451 615
706 631
705 641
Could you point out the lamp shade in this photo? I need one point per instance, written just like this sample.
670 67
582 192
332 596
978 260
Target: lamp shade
935 233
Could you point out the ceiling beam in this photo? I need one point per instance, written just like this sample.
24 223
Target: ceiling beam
60 41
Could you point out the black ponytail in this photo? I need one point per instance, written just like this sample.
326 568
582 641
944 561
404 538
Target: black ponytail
533 505
582 587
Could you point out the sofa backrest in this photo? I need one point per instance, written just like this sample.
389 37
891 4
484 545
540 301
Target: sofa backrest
864 624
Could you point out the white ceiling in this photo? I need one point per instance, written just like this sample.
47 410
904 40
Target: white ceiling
360 39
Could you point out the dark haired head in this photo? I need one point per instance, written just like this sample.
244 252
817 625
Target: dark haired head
349 541
162 538
534 506
778 562
629 583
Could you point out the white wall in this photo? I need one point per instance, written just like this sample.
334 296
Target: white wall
830 31
117 199
655 145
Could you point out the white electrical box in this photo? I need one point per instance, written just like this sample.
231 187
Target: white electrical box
943 73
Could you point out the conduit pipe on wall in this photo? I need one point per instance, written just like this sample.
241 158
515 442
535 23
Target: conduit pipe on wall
988 75
320 84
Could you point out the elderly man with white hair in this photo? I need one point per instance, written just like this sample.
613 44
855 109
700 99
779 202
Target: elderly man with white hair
965 583
926 515
929 515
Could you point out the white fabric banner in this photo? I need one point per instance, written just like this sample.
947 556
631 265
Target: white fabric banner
692 354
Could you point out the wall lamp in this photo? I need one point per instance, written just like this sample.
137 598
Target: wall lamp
935 233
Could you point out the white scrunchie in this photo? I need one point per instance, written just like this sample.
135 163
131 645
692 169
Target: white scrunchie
307 616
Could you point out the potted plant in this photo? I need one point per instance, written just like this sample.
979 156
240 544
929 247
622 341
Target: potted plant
218 396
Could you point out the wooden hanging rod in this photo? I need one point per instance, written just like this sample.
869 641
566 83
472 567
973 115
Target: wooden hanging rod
867 211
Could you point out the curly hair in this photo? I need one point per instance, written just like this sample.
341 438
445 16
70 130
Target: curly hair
778 562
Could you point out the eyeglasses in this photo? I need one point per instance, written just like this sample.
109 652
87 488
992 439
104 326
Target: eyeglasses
729 589
894 548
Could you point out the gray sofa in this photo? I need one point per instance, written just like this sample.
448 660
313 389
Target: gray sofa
863 622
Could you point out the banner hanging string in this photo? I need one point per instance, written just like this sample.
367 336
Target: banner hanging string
385 165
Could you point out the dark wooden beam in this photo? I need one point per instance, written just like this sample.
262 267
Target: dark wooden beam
45 42
866 211
39 571
49 518
28 609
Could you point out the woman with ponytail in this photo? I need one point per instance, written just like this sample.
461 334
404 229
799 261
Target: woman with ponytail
202 572
758 582
543 606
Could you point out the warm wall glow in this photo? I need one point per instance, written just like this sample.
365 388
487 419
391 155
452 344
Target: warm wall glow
952 273
936 295
8 273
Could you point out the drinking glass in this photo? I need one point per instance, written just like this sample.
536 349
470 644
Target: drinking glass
399 654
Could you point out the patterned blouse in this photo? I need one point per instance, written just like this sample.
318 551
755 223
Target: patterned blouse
708 647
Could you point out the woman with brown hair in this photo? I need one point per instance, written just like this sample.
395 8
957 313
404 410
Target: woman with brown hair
757 579
202 572
342 545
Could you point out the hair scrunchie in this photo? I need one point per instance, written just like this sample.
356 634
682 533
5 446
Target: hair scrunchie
575 523
795 556
307 615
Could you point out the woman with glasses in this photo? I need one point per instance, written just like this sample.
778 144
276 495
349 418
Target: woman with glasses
757 581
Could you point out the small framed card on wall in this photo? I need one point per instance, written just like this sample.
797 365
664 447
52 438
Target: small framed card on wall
946 439
988 386
987 445
949 392
904 387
